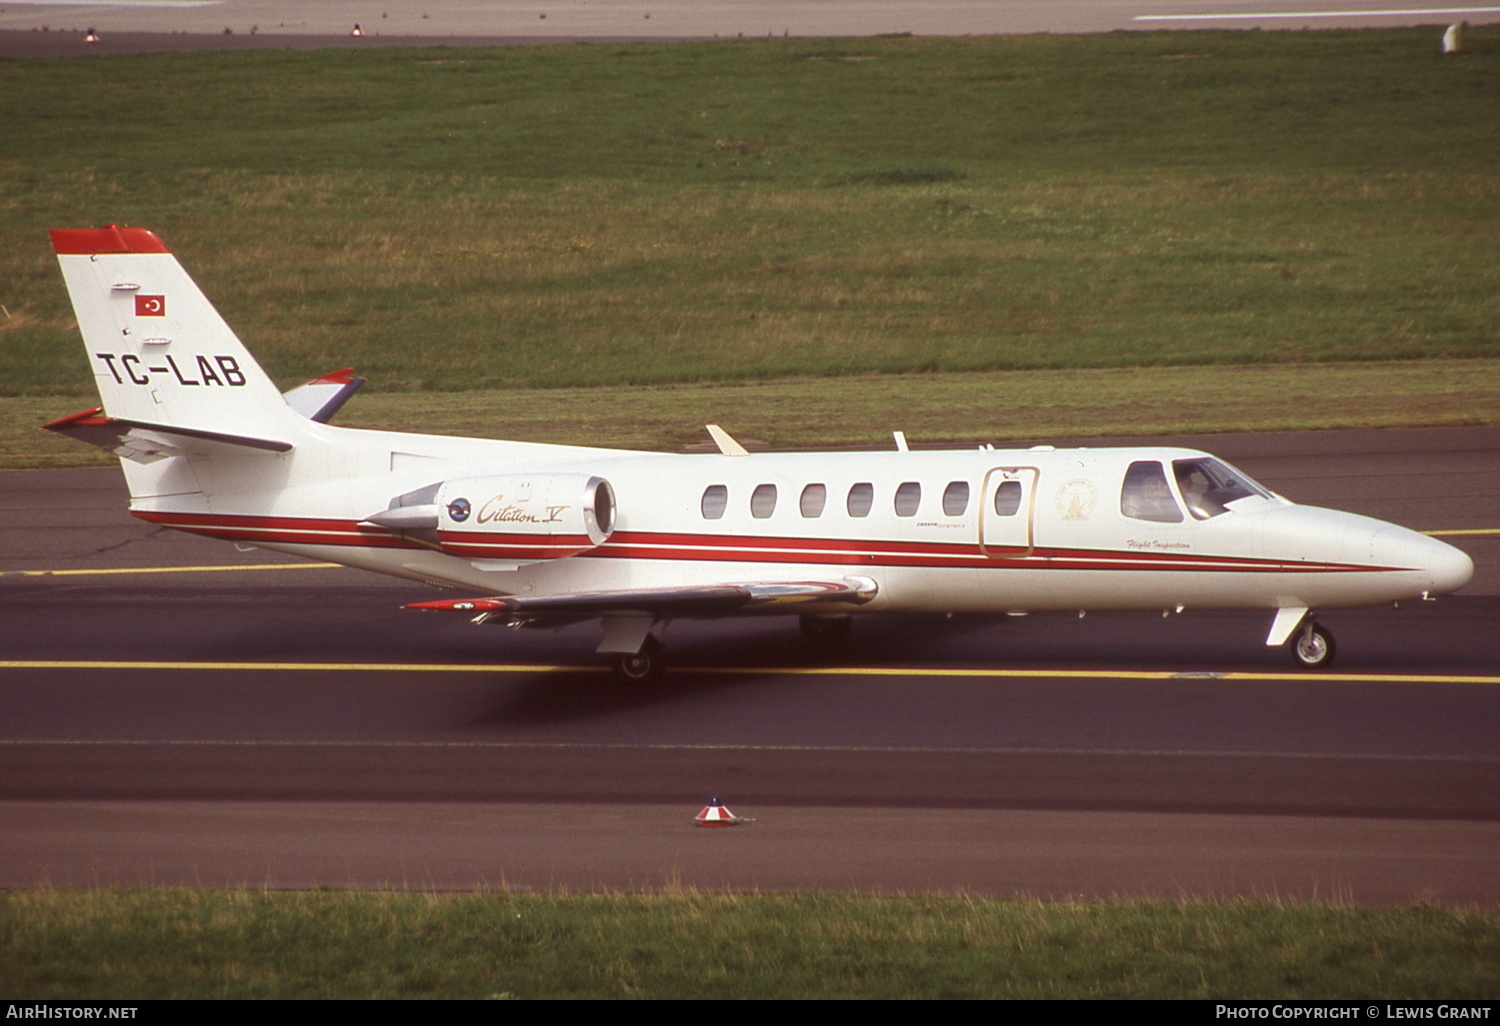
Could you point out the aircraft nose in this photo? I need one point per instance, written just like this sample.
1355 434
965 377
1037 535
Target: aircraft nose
1451 568
1446 568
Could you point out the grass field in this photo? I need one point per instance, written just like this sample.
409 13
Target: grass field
213 944
1022 407
591 216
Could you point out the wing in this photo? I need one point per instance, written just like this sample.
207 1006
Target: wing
691 601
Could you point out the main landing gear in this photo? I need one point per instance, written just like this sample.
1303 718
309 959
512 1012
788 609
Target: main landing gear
643 667
1312 646
646 665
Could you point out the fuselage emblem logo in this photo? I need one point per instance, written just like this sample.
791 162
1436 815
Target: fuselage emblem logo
458 509
1076 499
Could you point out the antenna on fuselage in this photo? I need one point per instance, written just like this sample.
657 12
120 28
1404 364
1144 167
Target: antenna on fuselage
727 445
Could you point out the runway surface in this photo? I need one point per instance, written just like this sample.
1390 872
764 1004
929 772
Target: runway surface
292 727
57 27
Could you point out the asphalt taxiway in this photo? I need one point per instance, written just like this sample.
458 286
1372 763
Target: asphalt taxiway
169 713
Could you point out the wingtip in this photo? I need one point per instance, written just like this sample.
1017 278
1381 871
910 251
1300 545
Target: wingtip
458 606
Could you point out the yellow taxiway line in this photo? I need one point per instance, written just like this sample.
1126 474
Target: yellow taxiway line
169 569
793 671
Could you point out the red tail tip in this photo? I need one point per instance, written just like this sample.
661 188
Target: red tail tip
109 239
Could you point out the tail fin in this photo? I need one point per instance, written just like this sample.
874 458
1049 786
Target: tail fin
162 356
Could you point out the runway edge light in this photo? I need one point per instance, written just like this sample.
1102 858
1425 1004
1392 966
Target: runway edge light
1453 39
714 814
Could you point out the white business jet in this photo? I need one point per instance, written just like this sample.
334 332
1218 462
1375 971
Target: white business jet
545 535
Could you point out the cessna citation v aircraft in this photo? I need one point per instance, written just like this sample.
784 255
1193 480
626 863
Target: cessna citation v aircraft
545 535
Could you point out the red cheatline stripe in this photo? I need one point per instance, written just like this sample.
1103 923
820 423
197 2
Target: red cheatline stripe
666 545
268 523
1039 560
283 530
577 541
512 551
724 548
666 538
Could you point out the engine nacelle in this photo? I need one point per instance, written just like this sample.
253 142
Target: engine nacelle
511 518
524 517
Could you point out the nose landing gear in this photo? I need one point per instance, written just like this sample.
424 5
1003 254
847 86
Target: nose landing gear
1312 646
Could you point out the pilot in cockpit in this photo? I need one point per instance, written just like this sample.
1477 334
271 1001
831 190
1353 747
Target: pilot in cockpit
1145 495
1194 488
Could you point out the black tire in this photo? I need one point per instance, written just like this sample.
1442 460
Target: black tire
641 667
1312 647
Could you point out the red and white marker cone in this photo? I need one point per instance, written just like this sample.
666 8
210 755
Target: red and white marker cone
356 30
91 36
714 814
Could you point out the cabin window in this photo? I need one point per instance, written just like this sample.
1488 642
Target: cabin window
715 501
814 498
1208 486
763 501
861 498
956 499
1008 498
1145 495
908 498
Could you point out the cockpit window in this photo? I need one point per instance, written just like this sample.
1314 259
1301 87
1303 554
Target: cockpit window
1209 486
1145 495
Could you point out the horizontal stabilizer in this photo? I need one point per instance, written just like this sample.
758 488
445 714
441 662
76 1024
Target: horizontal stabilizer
147 443
689 601
320 398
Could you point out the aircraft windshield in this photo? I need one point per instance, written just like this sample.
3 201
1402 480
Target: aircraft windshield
1208 486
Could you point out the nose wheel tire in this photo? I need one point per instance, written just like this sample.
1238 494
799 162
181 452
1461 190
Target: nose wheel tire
641 667
1312 647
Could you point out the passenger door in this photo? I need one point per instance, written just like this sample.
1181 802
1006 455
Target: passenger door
1007 512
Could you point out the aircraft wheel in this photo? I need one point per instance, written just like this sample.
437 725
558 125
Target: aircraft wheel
825 630
1313 647
640 667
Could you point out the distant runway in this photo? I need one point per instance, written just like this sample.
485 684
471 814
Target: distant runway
293 727
136 25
